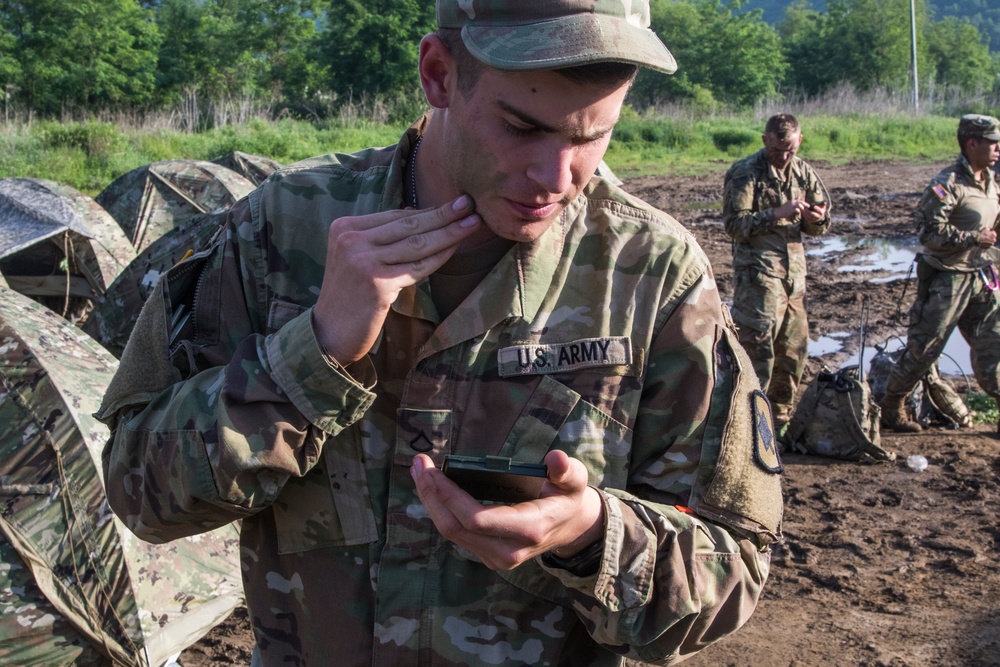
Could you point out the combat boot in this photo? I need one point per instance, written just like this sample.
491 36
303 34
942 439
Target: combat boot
894 415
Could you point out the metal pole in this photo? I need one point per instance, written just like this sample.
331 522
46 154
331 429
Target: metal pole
913 42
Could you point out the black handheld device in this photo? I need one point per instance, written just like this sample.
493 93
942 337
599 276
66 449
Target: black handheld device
496 478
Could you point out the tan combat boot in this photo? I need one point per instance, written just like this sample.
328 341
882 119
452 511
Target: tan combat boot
894 415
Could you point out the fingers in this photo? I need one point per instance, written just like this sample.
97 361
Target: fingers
569 515
408 235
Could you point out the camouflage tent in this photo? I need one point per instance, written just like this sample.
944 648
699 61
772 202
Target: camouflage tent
114 316
76 587
149 201
57 245
254 168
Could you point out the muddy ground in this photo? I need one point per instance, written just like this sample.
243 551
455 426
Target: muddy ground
880 566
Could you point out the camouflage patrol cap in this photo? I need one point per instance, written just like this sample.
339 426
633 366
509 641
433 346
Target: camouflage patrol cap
978 126
550 34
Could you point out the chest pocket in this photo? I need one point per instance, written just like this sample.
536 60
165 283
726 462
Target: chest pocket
556 417
331 505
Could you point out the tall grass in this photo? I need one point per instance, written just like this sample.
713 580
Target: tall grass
678 139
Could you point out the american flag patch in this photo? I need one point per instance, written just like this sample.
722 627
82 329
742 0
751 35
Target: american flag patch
941 193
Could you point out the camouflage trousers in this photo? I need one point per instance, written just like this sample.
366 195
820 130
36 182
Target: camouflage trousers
946 300
771 315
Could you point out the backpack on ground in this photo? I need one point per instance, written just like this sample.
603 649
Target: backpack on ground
933 402
838 418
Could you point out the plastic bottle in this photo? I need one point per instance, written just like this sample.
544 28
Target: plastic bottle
916 462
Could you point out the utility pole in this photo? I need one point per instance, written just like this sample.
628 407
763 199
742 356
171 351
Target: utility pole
913 42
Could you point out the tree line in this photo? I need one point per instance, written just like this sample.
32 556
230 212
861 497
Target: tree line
308 58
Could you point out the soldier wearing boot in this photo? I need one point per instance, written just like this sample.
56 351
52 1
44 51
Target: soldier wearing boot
771 199
956 271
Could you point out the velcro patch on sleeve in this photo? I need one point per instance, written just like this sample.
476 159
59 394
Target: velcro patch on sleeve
765 446
543 359
939 190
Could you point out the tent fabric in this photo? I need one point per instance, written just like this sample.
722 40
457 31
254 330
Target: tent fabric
149 201
254 168
76 587
32 213
56 241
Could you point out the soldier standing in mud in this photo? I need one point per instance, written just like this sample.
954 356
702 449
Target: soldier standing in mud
956 222
770 199
472 290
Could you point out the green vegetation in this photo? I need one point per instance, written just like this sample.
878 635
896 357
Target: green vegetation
983 407
89 155
658 144
212 63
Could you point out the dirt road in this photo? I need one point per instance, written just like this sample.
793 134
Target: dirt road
880 566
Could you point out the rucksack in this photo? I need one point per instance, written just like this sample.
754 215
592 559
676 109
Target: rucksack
838 418
932 402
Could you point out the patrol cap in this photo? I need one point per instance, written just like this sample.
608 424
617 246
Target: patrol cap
550 34
978 126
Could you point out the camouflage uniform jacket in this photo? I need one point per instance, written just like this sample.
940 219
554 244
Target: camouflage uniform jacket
752 188
955 207
605 338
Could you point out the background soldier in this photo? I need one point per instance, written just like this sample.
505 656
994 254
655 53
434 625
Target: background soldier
770 199
956 271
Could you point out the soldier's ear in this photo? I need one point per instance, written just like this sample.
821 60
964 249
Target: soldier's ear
438 72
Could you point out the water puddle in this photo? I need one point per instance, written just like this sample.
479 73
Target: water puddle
867 254
953 361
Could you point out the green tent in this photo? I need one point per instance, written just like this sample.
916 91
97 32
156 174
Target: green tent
149 201
76 587
254 167
57 245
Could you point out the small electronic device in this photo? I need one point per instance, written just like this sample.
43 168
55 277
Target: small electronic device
496 478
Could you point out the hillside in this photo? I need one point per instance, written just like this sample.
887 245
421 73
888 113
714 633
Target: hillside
984 14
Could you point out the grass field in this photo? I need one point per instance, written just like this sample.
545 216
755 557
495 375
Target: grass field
89 155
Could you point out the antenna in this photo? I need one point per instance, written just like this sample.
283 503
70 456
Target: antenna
862 335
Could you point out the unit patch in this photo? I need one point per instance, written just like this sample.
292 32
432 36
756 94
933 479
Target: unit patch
538 359
765 445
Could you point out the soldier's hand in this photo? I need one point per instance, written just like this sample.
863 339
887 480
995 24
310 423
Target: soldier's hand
814 212
568 516
370 258
789 210
987 238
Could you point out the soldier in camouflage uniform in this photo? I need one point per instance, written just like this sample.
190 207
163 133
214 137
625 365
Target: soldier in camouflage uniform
956 222
772 198
472 290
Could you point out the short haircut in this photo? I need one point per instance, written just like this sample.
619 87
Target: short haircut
965 133
597 74
781 126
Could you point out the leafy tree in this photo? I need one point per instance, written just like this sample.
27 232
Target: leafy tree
960 54
983 14
221 48
81 53
721 54
809 49
372 47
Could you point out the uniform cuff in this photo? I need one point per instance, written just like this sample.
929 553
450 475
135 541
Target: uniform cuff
324 391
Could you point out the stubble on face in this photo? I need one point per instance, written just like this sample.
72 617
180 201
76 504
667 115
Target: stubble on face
520 145
780 152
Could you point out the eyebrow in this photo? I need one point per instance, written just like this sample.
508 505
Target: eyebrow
527 119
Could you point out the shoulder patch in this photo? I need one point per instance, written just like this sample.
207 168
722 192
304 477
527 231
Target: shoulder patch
765 447
939 191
